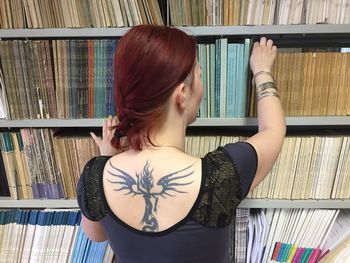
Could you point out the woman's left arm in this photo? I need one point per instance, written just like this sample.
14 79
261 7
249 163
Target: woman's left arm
93 229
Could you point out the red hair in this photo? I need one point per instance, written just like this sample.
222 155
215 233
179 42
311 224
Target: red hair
150 61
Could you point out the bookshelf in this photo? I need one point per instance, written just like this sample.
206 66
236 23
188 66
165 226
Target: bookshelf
247 203
314 33
303 30
333 121
324 35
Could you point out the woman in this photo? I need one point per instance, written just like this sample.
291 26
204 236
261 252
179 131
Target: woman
153 202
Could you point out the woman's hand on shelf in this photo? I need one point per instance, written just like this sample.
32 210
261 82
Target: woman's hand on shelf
105 143
263 55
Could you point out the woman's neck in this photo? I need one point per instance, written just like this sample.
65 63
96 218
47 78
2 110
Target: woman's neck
171 134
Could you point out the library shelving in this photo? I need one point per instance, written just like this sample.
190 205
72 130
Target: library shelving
284 33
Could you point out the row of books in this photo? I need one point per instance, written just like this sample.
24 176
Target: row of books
312 83
308 167
48 236
78 13
257 12
224 75
74 79
37 165
292 235
58 78
122 13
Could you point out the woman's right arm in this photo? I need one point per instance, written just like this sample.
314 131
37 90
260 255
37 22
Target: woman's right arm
271 119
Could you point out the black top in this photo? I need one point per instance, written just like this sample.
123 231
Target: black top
203 235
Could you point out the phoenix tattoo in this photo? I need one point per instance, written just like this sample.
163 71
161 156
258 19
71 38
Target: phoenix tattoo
170 184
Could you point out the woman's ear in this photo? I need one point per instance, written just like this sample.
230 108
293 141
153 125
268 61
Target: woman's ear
180 96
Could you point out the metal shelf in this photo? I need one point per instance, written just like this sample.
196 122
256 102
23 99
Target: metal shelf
38 203
205 122
247 203
195 31
270 203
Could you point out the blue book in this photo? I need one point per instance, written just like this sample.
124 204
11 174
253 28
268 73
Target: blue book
75 250
33 217
245 105
231 80
240 89
2 217
85 249
223 77
217 76
212 80
202 58
281 252
114 106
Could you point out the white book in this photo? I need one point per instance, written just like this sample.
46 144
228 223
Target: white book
27 247
45 245
292 172
73 240
3 99
69 237
250 237
321 226
107 258
258 12
314 224
271 235
338 232
340 177
135 12
128 13
37 241
293 224
328 229
308 222
256 237
272 12
117 13
324 155
263 235
5 248
316 164
16 239
296 236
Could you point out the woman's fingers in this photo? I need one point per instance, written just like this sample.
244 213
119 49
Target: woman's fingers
263 41
269 43
114 121
96 139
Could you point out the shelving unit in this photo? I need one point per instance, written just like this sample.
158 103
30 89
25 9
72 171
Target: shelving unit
247 203
321 33
200 122
195 31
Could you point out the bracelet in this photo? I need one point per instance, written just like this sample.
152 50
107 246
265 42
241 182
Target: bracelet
267 94
260 73
265 86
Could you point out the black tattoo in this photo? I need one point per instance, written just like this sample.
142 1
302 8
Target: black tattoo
144 185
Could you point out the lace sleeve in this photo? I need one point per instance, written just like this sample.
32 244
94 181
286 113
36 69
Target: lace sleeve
89 189
222 191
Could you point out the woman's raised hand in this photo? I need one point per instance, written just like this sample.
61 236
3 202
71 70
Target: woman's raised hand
105 143
263 55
